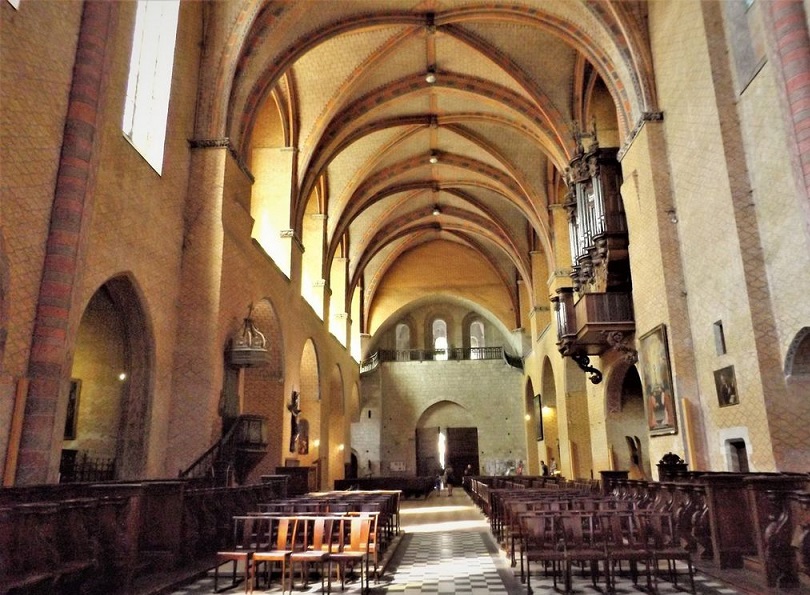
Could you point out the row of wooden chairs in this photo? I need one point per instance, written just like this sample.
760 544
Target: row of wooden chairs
263 541
509 509
561 540
573 526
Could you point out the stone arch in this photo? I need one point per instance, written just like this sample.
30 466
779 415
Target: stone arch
445 314
108 401
797 372
413 336
550 446
336 433
438 418
271 164
309 393
466 332
624 416
797 360
262 387
533 417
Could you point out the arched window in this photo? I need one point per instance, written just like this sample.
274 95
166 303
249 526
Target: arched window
403 337
440 339
477 341
146 107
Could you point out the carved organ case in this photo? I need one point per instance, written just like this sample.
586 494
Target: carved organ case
597 224
596 313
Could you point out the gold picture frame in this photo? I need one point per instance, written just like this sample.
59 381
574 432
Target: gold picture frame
656 376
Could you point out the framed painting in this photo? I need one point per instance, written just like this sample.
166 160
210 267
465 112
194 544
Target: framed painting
656 376
726 385
72 417
538 413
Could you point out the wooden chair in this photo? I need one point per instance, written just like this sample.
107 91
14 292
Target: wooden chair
583 544
282 542
662 544
540 543
624 541
314 547
374 546
352 548
250 534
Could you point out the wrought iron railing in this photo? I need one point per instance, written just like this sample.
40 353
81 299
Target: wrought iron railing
455 354
428 355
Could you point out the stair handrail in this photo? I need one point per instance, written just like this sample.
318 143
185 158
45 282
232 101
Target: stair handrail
211 455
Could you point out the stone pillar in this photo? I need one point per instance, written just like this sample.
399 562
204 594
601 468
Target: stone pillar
56 317
198 365
786 24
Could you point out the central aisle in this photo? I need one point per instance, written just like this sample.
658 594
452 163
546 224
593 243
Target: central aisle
447 548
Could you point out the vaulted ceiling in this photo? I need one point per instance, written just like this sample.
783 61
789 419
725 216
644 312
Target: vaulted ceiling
416 124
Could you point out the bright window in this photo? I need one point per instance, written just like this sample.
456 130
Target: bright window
440 339
150 78
476 339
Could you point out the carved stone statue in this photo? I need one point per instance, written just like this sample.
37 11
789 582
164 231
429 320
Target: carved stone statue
294 407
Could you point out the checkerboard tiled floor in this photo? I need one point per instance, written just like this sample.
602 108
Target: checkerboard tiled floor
446 548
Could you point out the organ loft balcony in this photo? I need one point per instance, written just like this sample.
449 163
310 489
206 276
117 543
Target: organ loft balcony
591 323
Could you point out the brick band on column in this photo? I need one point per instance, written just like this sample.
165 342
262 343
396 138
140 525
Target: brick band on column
49 349
788 22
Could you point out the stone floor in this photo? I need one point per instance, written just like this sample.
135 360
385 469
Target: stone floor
446 548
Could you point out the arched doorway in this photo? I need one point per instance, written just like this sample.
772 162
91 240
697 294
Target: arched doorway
260 389
627 430
449 423
549 447
107 401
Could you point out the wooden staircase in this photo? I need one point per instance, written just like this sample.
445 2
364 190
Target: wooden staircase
229 461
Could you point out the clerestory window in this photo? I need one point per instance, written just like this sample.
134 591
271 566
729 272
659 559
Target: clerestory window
146 107
440 339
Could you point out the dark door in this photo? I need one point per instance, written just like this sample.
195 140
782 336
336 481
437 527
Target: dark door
462 450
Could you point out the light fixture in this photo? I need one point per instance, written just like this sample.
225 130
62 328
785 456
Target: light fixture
434 158
122 376
436 210
430 77
673 215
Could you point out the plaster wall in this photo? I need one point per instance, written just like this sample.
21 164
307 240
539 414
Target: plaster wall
489 390
707 225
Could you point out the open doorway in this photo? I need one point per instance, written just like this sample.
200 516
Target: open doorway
438 447
737 456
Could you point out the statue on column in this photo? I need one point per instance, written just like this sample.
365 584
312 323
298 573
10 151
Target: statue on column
294 407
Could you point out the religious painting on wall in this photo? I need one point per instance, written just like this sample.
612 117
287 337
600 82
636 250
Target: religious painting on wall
726 385
538 412
656 376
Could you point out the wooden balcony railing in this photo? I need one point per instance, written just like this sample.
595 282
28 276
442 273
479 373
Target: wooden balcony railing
583 326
